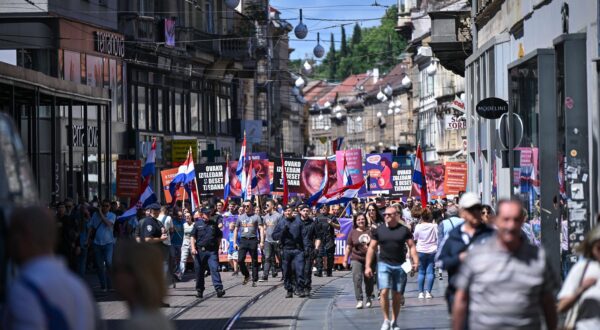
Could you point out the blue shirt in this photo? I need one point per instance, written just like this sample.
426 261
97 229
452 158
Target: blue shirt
231 248
177 236
104 235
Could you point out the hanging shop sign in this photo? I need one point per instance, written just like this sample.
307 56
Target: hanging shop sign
491 108
109 43
452 122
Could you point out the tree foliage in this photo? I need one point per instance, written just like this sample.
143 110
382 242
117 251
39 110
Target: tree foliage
344 46
374 47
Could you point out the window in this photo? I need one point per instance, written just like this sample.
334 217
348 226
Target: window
159 109
317 123
72 66
210 24
141 107
178 113
194 113
223 107
94 71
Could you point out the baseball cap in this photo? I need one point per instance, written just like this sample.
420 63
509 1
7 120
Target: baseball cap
153 206
468 200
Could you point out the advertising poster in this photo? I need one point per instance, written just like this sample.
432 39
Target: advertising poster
167 176
259 173
379 170
353 163
211 179
435 181
455 179
128 178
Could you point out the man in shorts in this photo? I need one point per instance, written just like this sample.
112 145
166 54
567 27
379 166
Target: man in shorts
392 240
232 253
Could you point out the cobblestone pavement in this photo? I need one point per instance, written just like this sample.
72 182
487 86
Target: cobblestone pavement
331 306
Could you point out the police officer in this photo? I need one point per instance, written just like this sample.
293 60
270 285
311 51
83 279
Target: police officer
288 232
249 224
312 243
326 226
205 242
152 230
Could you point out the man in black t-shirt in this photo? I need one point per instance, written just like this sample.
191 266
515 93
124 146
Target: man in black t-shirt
391 240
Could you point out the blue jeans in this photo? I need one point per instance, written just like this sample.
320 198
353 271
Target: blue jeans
426 272
104 254
82 261
391 277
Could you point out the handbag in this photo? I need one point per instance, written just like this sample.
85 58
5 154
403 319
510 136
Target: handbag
572 314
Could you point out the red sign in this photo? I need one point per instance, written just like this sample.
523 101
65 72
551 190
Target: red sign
167 176
128 178
455 180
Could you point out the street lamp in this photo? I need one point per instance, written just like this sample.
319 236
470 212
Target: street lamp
307 68
388 90
432 68
379 114
319 51
301 30
232 3
406 82
299 82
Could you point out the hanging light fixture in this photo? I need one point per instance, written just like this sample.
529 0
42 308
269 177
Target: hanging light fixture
391 105
232 3
319 51
301 30
299 82
359 118
327 104
388 90
338 115
327 127
406 81
397 110
390 111
432 68
307 68
338 108
320 116
379 114
380 96
398 103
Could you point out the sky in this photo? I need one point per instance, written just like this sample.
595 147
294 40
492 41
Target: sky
350 10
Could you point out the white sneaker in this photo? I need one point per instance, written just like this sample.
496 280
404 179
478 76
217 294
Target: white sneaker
421 296
428 295
387 325
368 304
359 305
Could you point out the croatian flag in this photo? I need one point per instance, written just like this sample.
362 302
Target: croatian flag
419 176
337 144
149 169
240 171
322 189
226 187
347 178
191 191
252 181
342 195
185 174
148 197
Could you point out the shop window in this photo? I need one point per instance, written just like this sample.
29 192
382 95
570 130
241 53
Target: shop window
178 113
72 66
120 112
94 71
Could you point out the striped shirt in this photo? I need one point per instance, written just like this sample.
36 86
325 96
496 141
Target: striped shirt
505 289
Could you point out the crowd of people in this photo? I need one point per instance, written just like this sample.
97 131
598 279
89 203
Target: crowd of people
498 275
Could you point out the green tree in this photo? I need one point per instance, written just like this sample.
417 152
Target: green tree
356 35
331 60
344 47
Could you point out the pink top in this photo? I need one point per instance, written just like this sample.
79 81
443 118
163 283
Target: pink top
426 236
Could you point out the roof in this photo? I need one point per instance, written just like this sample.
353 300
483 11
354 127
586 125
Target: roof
315 89
393 78
345 90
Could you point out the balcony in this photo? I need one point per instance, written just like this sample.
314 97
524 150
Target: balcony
451 38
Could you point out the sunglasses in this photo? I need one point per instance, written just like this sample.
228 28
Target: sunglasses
247 206
389 214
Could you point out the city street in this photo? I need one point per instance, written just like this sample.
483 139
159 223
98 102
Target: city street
331 306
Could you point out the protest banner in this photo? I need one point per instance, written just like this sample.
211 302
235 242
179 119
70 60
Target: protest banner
166 177
379 173
211 179
353 159
293 171
128 178
261 184
435 181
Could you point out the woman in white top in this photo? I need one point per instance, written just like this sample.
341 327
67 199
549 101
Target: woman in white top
426 236
185 246
580 293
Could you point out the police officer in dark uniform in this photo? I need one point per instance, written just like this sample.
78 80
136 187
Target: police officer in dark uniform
288 232
205 242
151 230
312 244
326 226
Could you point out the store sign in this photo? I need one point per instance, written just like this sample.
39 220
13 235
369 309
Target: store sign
109 43
452 122
491 108
179 150
79 136
128 178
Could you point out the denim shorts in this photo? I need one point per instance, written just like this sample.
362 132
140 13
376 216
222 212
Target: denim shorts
391 277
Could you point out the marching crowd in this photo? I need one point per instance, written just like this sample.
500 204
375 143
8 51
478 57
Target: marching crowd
498 276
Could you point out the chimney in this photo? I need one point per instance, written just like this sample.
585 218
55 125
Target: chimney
375 75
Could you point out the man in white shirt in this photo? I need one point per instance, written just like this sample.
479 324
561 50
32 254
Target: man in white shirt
45 295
